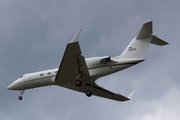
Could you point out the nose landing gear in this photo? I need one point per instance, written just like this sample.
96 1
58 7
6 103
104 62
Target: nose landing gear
20 97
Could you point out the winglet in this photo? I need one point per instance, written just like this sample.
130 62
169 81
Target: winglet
76 37
131 95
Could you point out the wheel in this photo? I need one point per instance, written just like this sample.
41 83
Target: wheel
20 97
78 83
88 93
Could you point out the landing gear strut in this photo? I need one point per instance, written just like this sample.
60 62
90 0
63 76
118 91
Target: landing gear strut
20 97
78 80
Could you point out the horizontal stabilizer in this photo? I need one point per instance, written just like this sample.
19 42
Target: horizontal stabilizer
145 31
157 41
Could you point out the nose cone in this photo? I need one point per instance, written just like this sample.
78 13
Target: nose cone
12 86
16 85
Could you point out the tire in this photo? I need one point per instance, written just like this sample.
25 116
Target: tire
78 83
20 97
89 93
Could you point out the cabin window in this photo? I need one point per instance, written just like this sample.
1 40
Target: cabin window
49 73
56 72
41 74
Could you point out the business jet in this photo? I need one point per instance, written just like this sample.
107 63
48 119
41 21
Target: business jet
80 74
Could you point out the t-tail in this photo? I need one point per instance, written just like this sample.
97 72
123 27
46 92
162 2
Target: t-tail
139 45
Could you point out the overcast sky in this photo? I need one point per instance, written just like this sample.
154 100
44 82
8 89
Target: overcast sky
34 34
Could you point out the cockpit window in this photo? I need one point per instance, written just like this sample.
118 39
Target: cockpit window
56 72
41 74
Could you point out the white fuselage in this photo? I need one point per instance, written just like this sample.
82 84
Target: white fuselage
95 67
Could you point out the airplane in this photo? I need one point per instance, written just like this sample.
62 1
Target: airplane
80 74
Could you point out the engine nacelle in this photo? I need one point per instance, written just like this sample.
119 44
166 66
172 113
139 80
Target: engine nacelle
105 59
96 61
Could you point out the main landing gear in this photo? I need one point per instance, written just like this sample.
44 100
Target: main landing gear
88 93
20 97
78 83
78 80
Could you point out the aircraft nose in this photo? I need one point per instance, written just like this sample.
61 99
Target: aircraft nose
11 86
16 85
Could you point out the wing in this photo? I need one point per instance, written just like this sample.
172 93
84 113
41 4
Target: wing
99 91
73 64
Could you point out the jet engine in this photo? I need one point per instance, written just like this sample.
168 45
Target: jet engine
105 59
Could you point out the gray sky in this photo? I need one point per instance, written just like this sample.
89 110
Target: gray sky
34 34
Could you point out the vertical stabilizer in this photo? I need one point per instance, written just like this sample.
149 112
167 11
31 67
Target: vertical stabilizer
139 45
